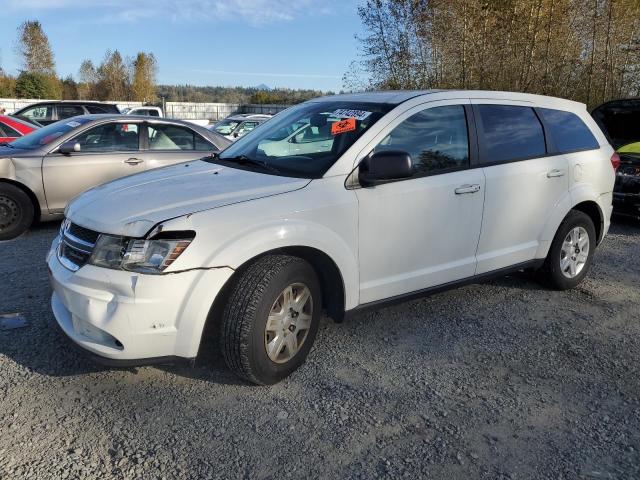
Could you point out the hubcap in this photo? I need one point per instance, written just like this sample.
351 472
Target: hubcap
288 323
9 212
575 252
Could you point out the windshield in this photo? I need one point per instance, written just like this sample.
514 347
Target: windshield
225 127
45 135
306 140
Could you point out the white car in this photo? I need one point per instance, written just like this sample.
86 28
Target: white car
238 125
419 191
145 111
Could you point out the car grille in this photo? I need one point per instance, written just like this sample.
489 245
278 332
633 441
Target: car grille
76 246
83 234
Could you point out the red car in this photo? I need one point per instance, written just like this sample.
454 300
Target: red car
12 128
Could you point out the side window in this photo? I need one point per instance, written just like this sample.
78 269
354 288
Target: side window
203 145
436 138
68 111
40 113
7 131
153 113
568 132
111 137
170 137
510 133
95 109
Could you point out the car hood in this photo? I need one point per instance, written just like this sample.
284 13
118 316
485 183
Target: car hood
133 205
10 151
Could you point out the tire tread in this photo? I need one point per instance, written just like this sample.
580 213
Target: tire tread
241 310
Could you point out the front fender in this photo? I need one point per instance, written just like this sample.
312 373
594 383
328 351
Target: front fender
243 247
7 169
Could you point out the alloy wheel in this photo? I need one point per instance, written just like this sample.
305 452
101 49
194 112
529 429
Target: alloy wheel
574 252
288 323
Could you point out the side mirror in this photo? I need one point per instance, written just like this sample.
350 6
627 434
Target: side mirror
236 134
69 147
385 166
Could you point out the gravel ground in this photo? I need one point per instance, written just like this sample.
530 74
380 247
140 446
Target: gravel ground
503 380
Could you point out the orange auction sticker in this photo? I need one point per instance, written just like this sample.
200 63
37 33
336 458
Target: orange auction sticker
343 126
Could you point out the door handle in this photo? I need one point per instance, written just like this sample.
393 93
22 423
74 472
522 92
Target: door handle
555 173
467 189
133 161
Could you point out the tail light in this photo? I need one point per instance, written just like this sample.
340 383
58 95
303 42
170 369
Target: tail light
615 161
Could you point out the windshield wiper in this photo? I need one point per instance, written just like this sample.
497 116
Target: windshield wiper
244 160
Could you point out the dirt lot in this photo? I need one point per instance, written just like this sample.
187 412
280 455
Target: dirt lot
504 380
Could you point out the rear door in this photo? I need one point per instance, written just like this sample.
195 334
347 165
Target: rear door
167 144
107 151
523 183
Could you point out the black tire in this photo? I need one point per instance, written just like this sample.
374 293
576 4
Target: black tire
16 211
551 273
250 302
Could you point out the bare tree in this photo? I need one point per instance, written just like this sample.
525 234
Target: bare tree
588 50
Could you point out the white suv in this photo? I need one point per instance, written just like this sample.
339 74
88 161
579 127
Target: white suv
416 191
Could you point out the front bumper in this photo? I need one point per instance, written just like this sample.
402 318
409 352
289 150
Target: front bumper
125 318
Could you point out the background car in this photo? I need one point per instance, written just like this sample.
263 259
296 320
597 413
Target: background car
236 126
620 121
12 128
148 111
46 113
41 172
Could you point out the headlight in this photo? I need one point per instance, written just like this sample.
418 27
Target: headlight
138 255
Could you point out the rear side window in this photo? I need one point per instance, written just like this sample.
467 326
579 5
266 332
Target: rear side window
174 137
7 131
567 131
96 109
510 133
68 111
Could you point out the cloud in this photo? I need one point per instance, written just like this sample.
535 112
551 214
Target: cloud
255 12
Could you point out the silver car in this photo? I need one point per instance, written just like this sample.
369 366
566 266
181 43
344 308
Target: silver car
42 171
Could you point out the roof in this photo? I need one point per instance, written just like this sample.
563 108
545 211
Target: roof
396 97
249 116
83 102
393 97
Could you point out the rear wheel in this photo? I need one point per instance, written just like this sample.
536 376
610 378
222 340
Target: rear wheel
571 252
271 319
16 211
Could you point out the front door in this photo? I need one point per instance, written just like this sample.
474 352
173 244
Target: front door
107 151
422 231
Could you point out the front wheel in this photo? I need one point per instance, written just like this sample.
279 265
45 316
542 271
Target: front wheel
571 252
16 211
271 318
